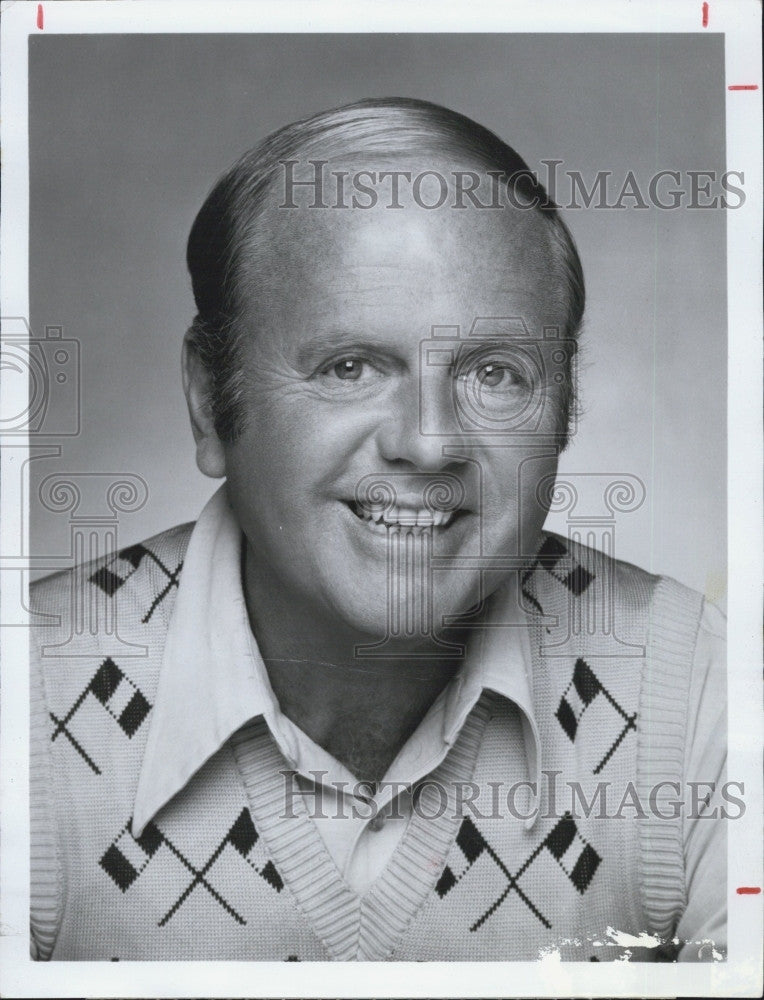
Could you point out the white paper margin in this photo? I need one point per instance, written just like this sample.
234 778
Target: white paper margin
741 974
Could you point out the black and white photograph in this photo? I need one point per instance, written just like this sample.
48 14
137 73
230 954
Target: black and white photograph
381 499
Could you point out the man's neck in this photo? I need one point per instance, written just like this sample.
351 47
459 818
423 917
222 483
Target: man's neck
362 717
361 710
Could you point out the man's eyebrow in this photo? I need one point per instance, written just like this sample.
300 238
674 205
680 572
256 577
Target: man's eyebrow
501 327
315 348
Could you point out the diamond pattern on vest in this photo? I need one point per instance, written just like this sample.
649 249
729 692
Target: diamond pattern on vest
185 874
576 858
583 689
555 558
120 697
127 857
115 573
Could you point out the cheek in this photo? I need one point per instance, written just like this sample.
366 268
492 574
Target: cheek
269 466
296 449
516 484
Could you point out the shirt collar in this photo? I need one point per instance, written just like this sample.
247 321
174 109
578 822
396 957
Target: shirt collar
500 660
213 680
209 682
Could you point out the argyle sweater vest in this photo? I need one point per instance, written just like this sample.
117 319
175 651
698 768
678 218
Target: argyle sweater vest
224 871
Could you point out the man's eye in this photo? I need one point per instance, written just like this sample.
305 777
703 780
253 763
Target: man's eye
349 369
492 375
352 370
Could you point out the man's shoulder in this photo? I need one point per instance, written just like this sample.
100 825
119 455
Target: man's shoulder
589 572
619 612
558 553
134 567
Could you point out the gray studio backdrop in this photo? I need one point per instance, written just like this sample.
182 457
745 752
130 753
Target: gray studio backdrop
128 133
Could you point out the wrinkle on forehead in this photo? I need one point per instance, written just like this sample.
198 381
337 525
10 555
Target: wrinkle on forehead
354 251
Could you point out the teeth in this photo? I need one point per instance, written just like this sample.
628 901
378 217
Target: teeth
404 516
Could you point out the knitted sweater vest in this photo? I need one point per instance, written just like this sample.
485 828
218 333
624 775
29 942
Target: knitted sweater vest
225 871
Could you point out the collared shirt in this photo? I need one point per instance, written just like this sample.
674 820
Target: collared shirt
213 680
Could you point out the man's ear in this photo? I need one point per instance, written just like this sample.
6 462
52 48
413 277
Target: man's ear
210 454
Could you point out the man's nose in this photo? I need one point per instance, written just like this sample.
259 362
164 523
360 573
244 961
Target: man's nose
422 420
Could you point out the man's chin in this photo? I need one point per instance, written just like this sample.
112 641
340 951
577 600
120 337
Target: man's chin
405 624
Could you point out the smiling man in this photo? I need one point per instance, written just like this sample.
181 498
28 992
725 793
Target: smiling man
366 723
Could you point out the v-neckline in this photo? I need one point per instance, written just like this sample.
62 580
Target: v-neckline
369 926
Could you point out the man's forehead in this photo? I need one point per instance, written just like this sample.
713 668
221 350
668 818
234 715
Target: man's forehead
362 217
400 270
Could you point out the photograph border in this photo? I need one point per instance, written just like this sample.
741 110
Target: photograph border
740 974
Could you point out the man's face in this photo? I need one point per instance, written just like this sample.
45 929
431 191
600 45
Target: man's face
339 388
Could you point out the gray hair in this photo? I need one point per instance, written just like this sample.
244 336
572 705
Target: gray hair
225 230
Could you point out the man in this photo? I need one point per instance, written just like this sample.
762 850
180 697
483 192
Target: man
357 716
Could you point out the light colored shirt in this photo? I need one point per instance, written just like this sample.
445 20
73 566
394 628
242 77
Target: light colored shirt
185 735
213 680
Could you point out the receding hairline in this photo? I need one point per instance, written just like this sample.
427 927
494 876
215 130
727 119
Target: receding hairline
225 234
273 230
389 127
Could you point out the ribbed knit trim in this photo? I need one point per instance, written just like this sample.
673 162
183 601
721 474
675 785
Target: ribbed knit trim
672 635
46 879
295 843
406 883
48 851
352 927
374 925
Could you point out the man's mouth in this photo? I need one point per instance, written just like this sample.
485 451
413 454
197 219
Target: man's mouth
381 518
